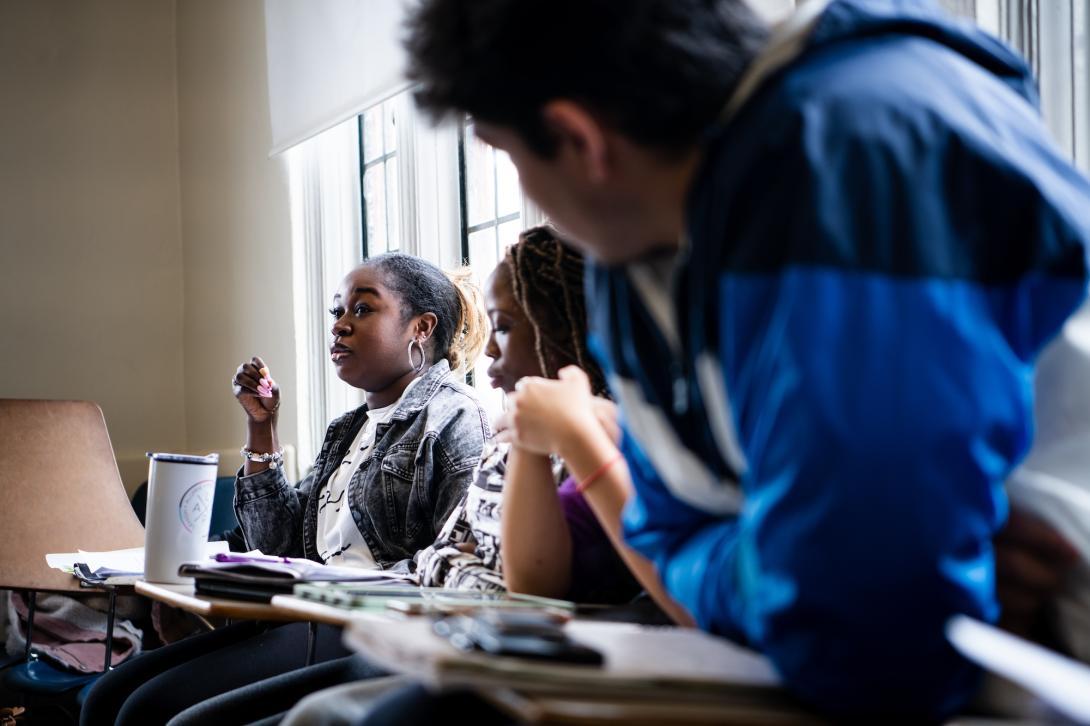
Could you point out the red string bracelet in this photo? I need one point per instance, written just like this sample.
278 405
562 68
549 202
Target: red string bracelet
583 485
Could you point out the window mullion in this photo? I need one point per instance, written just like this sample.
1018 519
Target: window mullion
1080 81
409 194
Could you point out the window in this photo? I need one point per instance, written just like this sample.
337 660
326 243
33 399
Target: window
385 181
493 201
378 144
324 176
491 221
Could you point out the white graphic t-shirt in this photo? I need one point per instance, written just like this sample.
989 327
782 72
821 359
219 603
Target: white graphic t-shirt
339 539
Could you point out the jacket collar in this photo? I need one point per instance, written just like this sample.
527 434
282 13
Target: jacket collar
421 394
787 43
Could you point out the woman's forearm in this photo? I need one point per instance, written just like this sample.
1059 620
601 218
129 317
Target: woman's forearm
585 454
535 544
261 438
604 507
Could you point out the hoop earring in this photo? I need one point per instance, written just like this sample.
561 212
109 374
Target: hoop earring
423 356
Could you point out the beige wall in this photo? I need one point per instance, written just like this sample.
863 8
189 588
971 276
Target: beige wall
91 299
144 234
236 229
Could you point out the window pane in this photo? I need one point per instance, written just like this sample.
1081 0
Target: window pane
509 235
389 126
372 134
393 218
480 184
482 253
1081 84
374 195
508 192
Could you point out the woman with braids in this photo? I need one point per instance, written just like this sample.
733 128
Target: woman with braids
523 524
385 480
563 414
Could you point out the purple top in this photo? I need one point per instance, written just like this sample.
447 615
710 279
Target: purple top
598 574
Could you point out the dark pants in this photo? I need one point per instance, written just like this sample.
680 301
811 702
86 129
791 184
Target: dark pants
276 695
418 705
154 687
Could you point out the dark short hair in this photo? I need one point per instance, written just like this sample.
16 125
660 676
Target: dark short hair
658 71
461 326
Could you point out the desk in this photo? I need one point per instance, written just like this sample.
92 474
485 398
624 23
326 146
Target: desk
302 609
283 608
183 597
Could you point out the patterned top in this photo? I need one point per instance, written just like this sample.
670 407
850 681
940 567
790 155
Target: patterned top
598 573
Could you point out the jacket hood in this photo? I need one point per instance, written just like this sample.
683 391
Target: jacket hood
846 20
819 24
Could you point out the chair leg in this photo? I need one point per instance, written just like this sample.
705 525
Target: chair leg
110 630
32 598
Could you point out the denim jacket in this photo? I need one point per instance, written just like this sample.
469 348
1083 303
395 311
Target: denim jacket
417 471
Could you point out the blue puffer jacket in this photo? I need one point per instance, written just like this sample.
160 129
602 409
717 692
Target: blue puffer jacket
825 391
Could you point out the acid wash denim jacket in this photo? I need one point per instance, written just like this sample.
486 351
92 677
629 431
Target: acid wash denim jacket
417 471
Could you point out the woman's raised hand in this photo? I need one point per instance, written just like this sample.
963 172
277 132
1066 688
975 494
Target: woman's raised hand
256 391
543 414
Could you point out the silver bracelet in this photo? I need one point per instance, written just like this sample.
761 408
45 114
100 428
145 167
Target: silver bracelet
275 460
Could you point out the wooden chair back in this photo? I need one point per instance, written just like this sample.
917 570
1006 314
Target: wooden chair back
60 491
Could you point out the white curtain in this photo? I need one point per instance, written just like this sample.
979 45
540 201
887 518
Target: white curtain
329 59
325 218
428 169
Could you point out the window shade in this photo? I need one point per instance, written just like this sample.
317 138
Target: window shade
327 61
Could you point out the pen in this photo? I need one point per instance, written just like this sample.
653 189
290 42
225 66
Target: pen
231 557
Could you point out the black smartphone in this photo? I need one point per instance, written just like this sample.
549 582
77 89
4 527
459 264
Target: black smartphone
538 636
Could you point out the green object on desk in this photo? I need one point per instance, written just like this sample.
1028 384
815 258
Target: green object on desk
354 596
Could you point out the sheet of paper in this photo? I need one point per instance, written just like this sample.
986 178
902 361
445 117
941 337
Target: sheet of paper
1061 682
665 658
130 560
643 651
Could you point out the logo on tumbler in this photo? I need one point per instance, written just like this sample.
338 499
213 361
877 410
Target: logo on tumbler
196 504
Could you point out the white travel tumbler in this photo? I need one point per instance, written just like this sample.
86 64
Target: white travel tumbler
180 493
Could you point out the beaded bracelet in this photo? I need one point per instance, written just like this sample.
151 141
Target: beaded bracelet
583 485
275 460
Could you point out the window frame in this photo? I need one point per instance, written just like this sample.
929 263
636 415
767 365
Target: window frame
384 160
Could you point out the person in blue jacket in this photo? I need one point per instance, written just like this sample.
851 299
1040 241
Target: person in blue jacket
826 257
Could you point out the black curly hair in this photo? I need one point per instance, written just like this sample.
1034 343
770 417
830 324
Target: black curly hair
659 71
